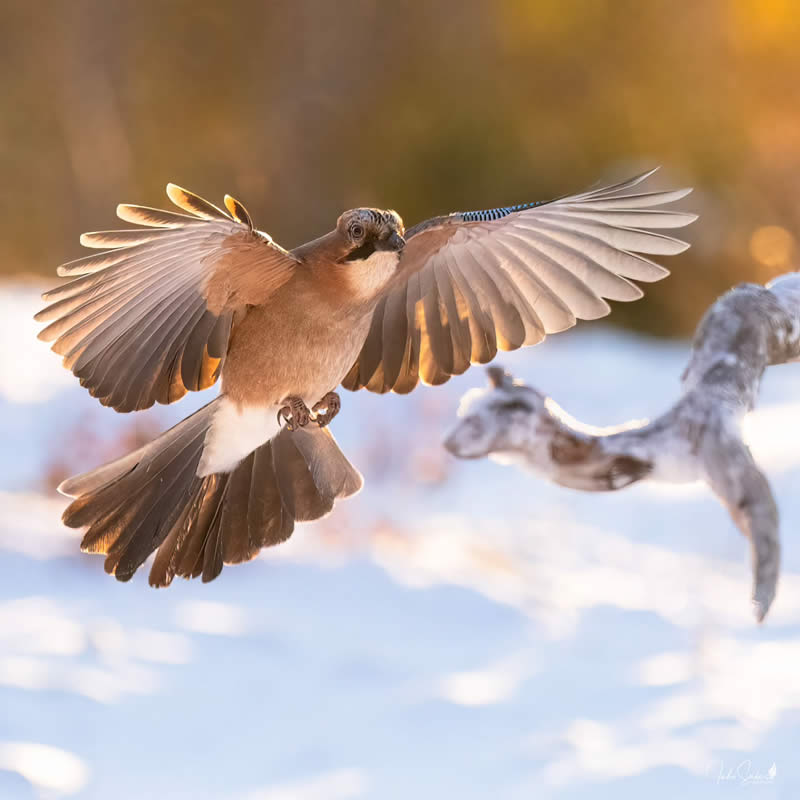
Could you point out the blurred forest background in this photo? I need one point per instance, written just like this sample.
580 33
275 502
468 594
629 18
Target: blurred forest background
303 109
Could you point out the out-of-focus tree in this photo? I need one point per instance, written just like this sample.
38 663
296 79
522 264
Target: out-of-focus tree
305 107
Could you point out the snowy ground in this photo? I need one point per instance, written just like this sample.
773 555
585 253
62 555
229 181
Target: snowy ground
456 630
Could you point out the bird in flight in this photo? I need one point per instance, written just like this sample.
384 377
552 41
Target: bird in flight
199 294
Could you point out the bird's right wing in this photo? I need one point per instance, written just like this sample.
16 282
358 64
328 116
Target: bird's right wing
149 317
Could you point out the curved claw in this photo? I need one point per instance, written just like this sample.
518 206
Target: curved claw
295 414
331 403
285 416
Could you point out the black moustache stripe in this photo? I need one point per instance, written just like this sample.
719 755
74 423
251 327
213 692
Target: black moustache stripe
363 251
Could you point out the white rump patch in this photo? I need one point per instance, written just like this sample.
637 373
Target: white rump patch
234 433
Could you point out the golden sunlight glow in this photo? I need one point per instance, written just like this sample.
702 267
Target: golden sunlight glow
771 245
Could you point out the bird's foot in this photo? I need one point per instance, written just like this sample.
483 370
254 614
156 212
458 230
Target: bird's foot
331 405
295 413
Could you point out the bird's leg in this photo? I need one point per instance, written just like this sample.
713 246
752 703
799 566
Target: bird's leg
295 413
331 403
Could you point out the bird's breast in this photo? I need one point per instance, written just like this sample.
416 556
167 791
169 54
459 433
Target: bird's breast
291 349
366 277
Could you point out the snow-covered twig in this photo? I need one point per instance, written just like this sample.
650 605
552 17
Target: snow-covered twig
700 437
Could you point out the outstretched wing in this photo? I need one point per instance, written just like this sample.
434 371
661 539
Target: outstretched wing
472 282
150 316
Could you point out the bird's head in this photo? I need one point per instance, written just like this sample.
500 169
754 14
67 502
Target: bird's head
370 230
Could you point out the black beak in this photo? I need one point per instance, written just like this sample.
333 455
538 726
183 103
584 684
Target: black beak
394 243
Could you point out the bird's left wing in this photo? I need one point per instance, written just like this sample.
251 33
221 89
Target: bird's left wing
472 282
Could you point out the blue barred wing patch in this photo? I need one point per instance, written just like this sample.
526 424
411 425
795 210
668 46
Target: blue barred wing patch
489 214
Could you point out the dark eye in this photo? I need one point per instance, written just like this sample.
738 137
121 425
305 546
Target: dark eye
356 230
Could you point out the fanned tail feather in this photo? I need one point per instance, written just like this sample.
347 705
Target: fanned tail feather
152 499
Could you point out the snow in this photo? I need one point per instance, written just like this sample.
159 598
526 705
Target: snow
457 629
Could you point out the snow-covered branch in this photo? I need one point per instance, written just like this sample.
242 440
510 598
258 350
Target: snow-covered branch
700 437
